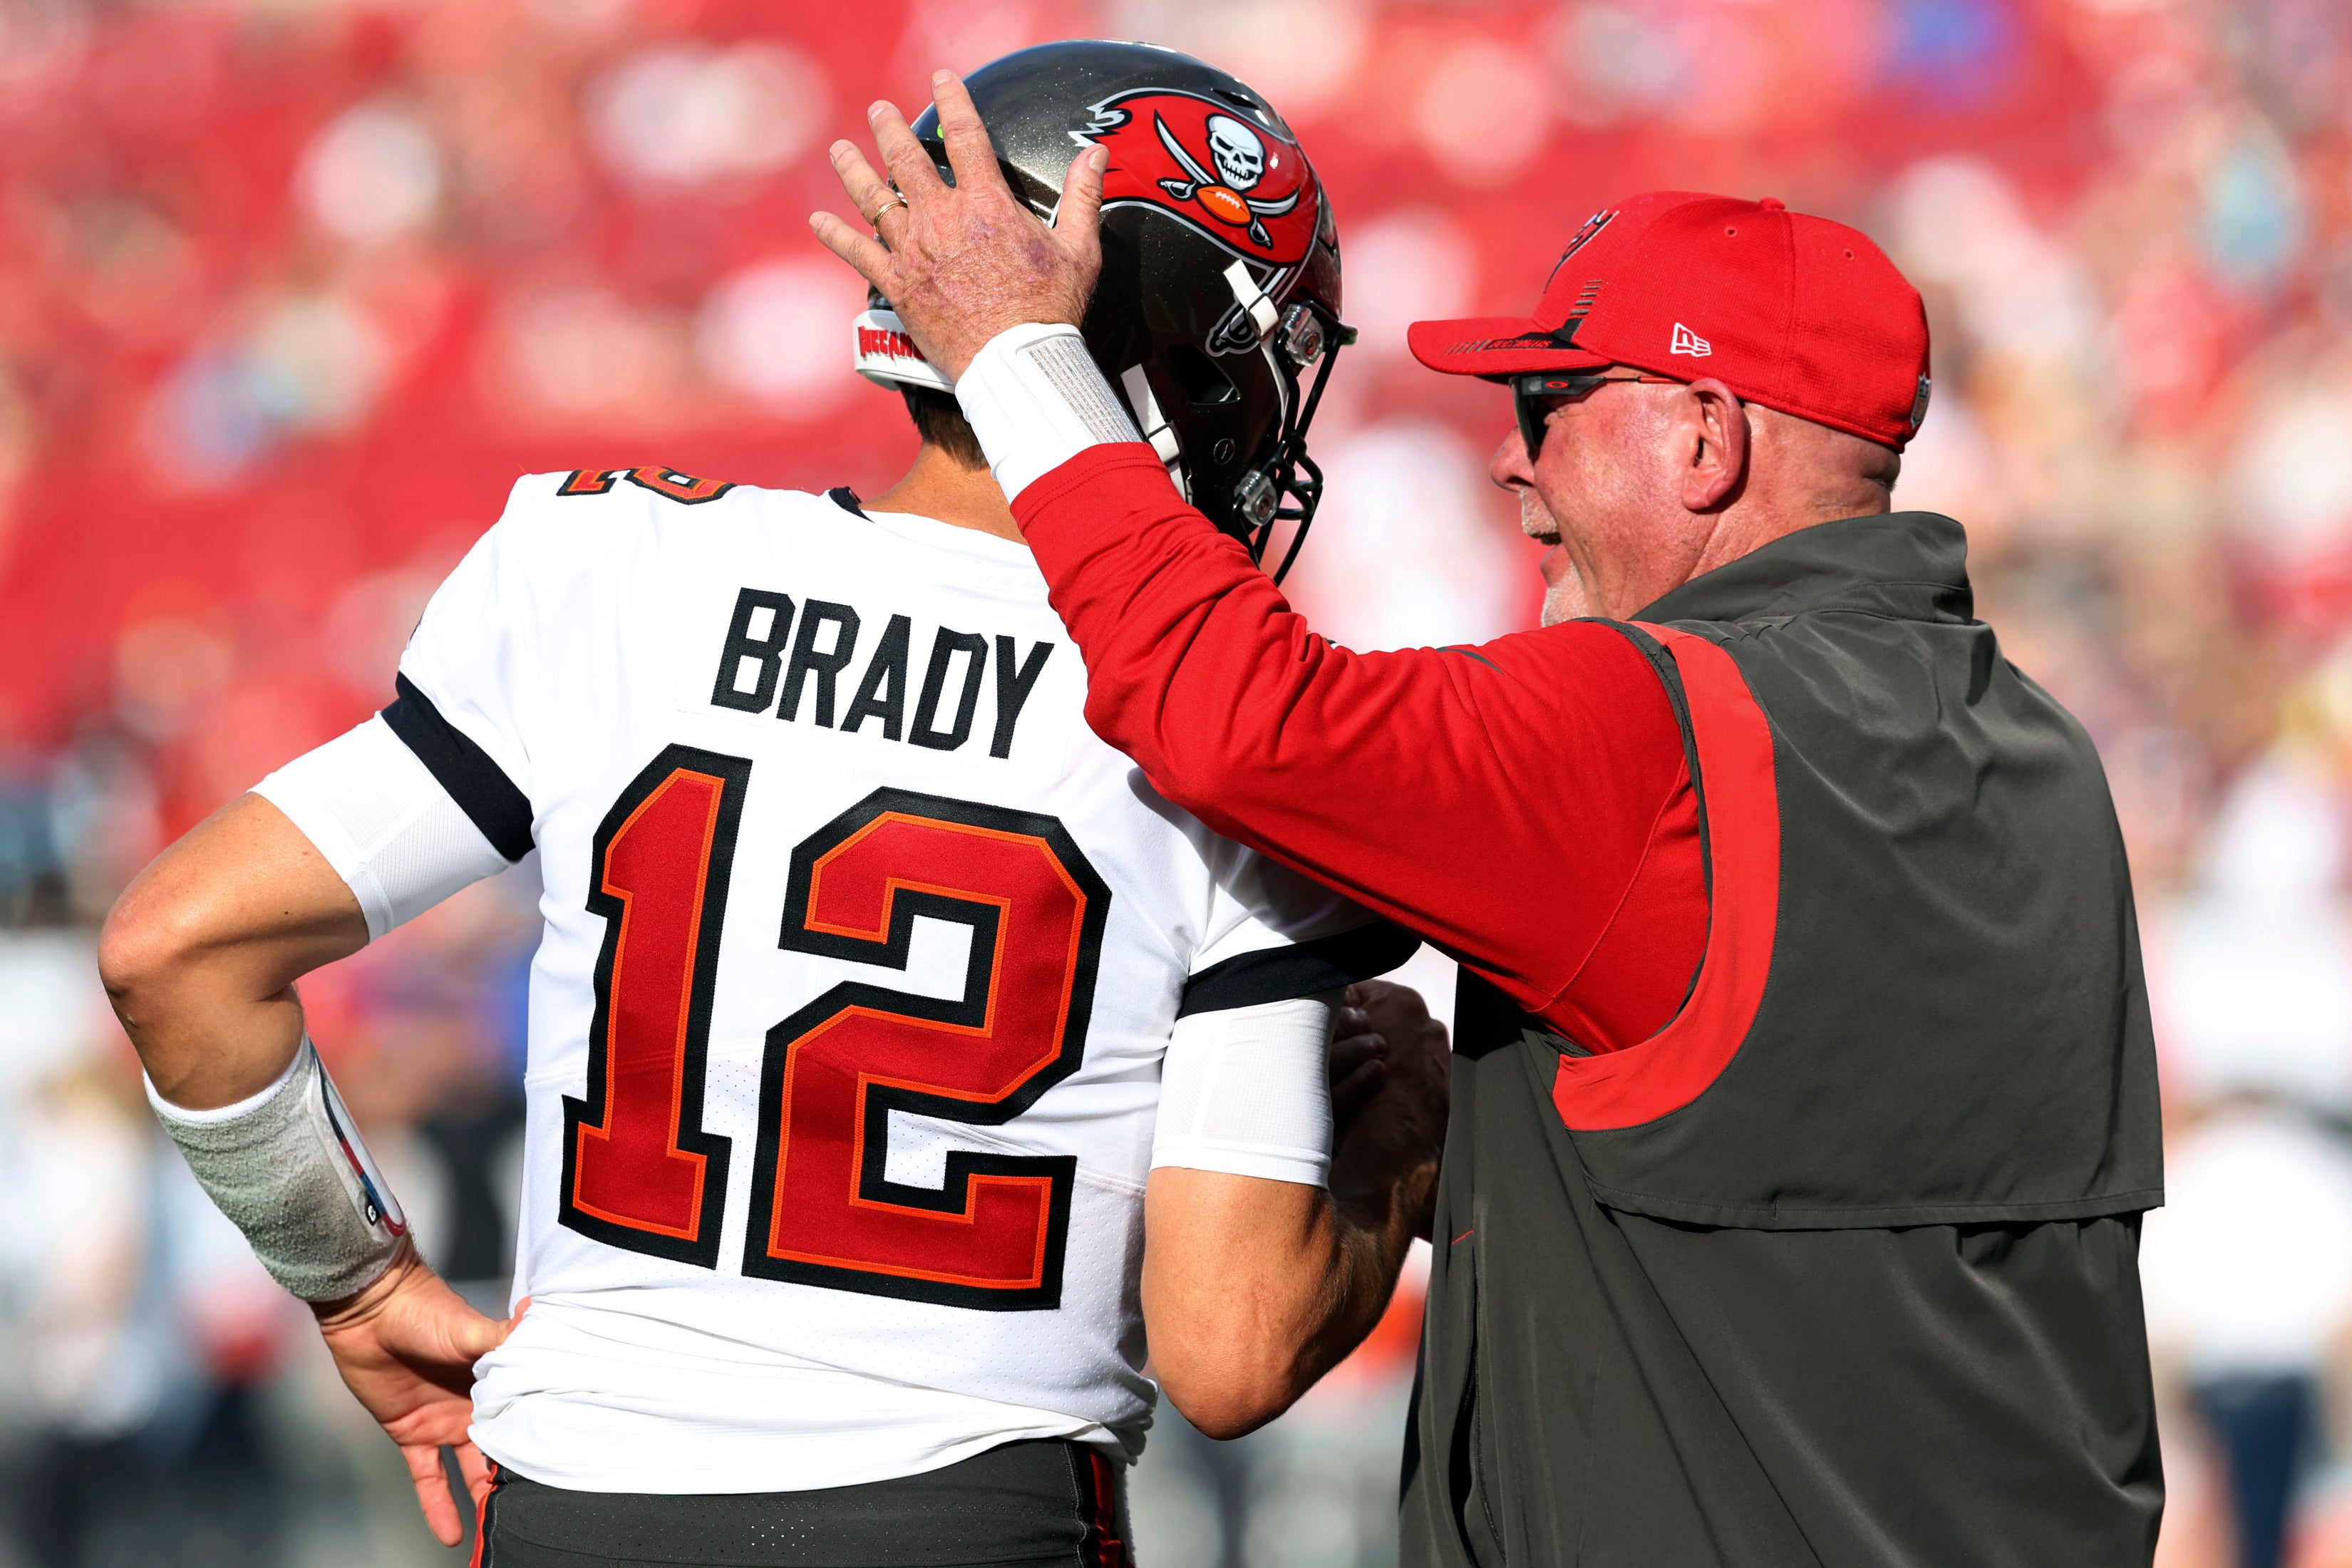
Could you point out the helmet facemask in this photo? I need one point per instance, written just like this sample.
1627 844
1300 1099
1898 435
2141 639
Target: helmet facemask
1287 486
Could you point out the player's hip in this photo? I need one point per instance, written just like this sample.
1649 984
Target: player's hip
587 1397
1050 1504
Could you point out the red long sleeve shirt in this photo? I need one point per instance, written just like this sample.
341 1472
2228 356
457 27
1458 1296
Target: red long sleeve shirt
1524 804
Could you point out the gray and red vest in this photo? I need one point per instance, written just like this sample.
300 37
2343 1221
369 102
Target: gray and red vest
1839 1266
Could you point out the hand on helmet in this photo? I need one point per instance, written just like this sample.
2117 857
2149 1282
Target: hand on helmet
962 263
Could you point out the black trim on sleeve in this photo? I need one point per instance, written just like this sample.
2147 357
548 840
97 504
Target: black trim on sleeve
1670 675
1302 969
479 785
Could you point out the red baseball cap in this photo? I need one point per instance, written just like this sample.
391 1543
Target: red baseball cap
1795 312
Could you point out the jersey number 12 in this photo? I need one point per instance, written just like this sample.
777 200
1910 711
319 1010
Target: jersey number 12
640 1173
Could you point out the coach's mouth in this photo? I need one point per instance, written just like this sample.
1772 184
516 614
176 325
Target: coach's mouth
1536 519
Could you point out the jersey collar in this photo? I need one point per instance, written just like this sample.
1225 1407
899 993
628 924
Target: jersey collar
1911 565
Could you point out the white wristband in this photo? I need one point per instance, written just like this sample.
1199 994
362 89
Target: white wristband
1035 398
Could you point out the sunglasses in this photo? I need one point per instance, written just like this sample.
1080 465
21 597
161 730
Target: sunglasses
1534 396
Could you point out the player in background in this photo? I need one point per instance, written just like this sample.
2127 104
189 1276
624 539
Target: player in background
901 1067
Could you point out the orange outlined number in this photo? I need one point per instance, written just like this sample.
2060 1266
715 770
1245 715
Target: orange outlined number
684 489
825 1209
638 1169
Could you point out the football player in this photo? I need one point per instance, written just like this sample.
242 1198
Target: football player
900 1065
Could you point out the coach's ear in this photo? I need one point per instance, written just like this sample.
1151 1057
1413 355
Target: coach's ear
1710 441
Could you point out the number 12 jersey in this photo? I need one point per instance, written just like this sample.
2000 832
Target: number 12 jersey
861 956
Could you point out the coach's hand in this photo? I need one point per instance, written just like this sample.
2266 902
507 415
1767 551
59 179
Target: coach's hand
1384 1162
407 1347
967 261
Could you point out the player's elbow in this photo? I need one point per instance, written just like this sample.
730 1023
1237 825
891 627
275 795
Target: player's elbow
145 942
1225 1385
1228 1348
153 945
1235 1290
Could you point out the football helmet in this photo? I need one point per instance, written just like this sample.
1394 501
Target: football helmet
1220 285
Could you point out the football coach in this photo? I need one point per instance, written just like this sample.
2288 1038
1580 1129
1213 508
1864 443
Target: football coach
1804 1105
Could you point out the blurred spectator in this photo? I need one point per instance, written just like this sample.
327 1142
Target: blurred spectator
140 1321
2253 970
2248 1271
2248 1268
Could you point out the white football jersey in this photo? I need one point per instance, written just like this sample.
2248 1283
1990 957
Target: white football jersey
862 953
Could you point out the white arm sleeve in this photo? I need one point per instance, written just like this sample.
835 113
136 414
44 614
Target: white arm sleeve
1247 1092
382 821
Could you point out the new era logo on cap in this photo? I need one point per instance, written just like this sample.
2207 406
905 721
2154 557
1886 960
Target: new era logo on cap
1689 342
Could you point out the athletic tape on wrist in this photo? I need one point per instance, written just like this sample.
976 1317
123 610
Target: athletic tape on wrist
1035 398
287 1167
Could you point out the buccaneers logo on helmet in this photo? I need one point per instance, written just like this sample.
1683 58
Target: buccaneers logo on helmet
1242 185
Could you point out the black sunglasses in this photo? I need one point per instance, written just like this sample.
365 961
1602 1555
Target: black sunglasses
1531 395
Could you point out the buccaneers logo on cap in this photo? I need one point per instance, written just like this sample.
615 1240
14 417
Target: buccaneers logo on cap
1582 238
1241 184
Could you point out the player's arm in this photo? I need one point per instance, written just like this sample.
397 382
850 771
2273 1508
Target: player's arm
1269 1253
1255 1286
200 957
200 952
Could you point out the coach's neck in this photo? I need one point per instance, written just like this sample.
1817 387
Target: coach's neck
940 487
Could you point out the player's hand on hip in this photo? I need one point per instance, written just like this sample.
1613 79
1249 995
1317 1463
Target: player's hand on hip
961 264
407 1347
1385 1160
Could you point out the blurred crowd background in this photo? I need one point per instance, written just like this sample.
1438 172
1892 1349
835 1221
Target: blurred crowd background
290 290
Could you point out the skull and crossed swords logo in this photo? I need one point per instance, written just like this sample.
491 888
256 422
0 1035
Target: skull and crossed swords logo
1247 186
1240 158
